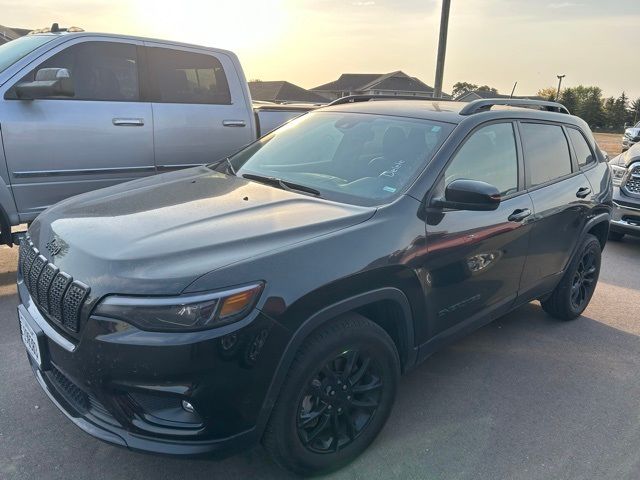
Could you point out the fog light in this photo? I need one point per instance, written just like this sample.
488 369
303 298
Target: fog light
188 407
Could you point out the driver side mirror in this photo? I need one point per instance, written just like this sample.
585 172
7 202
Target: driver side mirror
471 195
49 82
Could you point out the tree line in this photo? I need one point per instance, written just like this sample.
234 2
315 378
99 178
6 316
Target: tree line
586 102
589 103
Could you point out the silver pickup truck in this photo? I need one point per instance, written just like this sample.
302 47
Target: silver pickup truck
81 111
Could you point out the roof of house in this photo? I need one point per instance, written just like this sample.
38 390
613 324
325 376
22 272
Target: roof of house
7 34
478 94
362 82
281 91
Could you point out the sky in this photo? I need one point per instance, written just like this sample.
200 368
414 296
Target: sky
310 42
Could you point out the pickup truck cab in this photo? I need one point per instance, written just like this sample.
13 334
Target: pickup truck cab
81 111
625 218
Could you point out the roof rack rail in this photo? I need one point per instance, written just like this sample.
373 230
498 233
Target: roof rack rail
485 104
366 98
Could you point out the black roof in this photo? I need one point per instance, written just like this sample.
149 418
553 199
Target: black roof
394 81
445 111
282 91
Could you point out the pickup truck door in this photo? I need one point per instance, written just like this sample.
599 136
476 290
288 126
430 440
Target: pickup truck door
201 112
59 147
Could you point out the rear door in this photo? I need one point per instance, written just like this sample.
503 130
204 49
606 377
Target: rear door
561 197
59 147
475 259
199 108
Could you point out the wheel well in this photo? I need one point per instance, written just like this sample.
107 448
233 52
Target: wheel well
389 316
601 232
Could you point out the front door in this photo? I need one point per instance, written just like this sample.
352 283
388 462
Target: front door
475 259
59 147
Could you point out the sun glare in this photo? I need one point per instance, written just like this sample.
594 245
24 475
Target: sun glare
227 24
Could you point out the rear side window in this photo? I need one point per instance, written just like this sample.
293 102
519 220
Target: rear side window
489 155
581 147
546 152
185 77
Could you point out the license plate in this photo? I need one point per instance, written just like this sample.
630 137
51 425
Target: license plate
30 339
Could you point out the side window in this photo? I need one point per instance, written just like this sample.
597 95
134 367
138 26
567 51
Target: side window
489 155
546 152
186 77
100 70
583 152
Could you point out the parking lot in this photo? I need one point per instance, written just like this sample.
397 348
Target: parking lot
525 397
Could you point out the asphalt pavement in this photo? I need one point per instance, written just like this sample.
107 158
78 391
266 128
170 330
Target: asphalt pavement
526 397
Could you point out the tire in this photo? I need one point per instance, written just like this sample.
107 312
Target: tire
572 295
615 236
300 433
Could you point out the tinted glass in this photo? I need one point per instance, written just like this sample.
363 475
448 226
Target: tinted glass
100 70
19 48
351 157
546 152
185 77
489 155
581 147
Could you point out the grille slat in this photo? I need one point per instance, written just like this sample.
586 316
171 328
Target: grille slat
54 292
633 182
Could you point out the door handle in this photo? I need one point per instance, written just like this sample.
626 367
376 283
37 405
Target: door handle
234 123
519 215
128 122
583 192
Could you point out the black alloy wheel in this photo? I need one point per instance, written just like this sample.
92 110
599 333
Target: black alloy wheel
339 402
584 280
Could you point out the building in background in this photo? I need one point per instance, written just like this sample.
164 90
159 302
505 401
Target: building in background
283 92
480 94
7 34
394 83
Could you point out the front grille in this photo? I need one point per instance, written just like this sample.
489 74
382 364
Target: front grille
632 185
54 292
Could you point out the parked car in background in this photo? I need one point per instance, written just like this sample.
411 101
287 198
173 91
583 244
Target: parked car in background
631 137
81 111
278 296
626 193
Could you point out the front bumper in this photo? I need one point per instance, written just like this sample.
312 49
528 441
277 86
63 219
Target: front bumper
125 386
625 217
627 143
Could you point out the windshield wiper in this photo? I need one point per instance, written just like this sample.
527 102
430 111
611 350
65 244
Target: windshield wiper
283 184
230 165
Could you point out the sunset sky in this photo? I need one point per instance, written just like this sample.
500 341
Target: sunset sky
310 42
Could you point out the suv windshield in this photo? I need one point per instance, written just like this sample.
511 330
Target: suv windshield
14 50
350 157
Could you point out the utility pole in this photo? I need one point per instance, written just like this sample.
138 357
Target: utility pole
560 77
442 48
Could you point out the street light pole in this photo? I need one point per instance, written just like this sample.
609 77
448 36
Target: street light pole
442 48
560 77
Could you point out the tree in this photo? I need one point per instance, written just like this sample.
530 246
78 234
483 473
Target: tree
487 88
590 106
548 93
569 99
463 87
634 111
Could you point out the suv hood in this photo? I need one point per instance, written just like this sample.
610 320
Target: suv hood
158 234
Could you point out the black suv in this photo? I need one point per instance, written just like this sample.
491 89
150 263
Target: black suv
278 295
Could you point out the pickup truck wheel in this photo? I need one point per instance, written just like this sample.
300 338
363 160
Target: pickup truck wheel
572 295
337 397
615 236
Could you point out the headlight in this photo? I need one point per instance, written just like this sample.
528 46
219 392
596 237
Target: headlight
184 312
618 174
